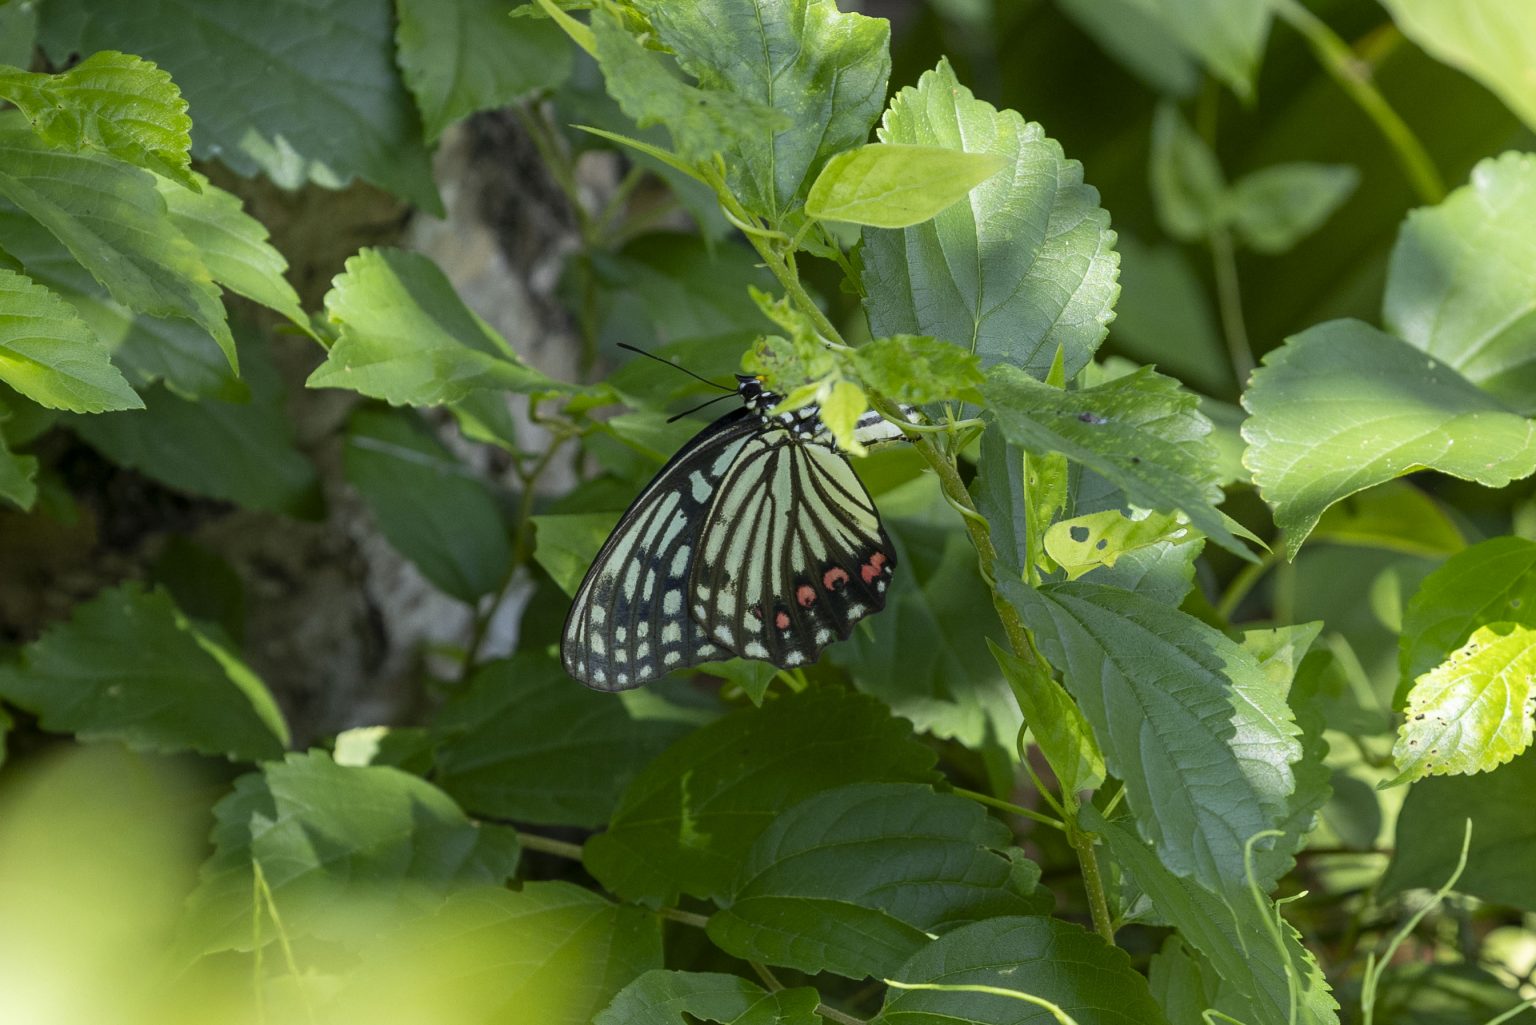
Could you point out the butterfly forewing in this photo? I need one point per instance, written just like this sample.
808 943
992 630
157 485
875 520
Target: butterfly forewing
792 554
629 621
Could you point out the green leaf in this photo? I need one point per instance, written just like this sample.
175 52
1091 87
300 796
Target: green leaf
1491 582
1494 41
1188 189
233 246
243 452
48 354
1182 714
332 60
853 880
1427 994
1165 316
998 491
1233 934
114 221
689 818
917 370
1084 543
6 722
467 55
18 33
702 122
662 998
1275 207
1055 721
895 185
925 656
1473 712
1140 432
522 742
1046 959
434 511
338 847
17 475
1341 407
407 338
824 73
1025 267
1501 861
1459 285
1130 32
115 103
1227 36
841 407
568 542
146 348
128 666
1395 516
1181 982
551 953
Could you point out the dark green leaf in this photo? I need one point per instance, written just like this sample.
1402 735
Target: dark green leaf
310 93
661 998
1178 980
1165 316
113 219
1393 515
1183 715
568 542
1232 933
1501 862
524 742
823 72
1491 582
1046 959
998 491
467 55
1459 286
128 666
1023 268
1342 406
243 452
18 33
689 818
1140 432
550 953
1134 35
406 336
853 880
1227 36
17 475
1444 994
341 849
48 354
112 102
432 508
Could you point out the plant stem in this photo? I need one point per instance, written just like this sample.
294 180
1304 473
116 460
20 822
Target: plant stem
1354 77
1009 807
685 917
549 845
1229 299
1243 583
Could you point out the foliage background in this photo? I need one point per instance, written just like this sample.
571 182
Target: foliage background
366 572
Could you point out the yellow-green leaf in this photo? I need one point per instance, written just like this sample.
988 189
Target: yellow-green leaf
890 185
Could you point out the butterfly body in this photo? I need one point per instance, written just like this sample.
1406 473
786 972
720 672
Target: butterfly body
755 540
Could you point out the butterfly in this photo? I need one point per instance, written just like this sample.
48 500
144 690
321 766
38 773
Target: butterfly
755 540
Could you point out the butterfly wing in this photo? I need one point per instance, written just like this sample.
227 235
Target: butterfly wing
629 622
792 553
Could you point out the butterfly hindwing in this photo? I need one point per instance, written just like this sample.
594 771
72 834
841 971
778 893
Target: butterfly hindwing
630 620
792 554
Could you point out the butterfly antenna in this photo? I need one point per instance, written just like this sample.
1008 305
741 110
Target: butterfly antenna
678 366
695 409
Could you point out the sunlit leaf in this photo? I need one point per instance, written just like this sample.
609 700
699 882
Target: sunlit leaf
1024 267
1494 41
1342 406
48 354
890 185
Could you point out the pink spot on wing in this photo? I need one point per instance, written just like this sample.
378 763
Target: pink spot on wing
873 568
805 594
781 620
834 579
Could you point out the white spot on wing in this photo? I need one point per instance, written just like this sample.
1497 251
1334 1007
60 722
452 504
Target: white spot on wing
672 658
680 562
755 650
598 613
672 604
672 633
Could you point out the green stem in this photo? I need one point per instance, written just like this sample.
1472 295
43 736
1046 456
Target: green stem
1229 300
833 1014
1009 807
685 917
1243 583
1354 77
549 845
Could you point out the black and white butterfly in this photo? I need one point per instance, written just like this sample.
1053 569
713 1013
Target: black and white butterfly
756 540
